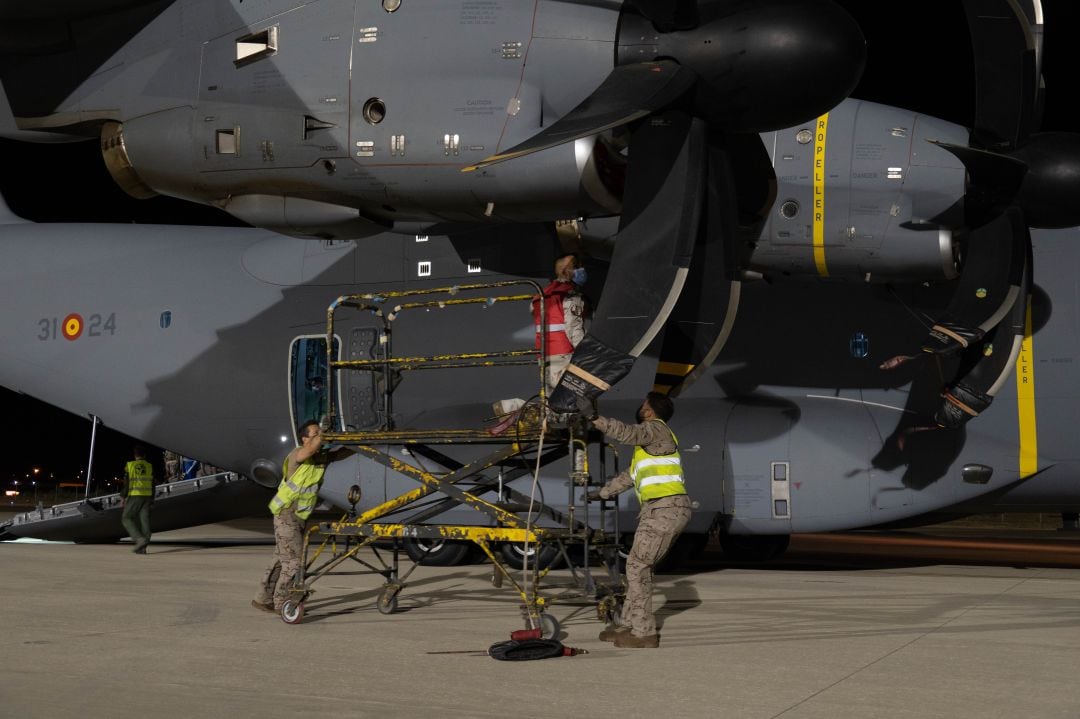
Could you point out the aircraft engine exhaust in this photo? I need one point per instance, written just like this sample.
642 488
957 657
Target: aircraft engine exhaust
119 165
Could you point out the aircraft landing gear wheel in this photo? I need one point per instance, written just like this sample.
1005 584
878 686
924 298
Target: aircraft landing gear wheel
549 627
292 611
387 603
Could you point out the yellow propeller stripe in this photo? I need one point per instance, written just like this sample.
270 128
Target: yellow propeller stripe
819 194
675 368
1025 402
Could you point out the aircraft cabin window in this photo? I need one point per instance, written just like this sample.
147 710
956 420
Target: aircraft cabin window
256 46
308 379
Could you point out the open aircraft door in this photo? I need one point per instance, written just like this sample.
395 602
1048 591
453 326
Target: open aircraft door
358 393
308 374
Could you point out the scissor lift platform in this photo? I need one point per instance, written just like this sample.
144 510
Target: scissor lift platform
504 515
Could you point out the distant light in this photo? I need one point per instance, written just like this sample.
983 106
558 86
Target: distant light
284 439
12 492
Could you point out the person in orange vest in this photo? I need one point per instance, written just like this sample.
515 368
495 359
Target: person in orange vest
137 500
564 306
297 495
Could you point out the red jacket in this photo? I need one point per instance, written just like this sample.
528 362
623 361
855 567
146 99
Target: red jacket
554 295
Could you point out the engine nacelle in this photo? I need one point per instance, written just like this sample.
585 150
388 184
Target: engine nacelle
763 64
874 204
326 121
336 198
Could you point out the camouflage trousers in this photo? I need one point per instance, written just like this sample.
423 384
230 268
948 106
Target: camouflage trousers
556 365
288 556
660 523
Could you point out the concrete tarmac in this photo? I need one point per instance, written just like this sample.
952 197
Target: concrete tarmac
827 631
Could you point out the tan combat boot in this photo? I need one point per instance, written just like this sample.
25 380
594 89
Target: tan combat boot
612 632
629 641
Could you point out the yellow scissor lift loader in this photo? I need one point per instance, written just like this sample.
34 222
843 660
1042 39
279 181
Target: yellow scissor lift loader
531 443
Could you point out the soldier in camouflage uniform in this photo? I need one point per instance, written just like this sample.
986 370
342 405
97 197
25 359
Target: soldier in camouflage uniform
172 466
565 315
655 473
296 497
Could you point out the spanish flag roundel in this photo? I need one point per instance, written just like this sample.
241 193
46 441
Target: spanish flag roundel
73 326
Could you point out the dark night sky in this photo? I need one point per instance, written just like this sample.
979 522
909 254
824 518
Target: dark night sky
919 58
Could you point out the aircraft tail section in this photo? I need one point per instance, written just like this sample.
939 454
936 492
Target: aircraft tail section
7 116
7 123
8 127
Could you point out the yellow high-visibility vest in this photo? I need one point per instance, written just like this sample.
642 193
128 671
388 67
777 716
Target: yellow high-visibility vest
302 487
657 475
140 478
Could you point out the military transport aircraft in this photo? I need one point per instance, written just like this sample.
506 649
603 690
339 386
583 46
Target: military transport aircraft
847 298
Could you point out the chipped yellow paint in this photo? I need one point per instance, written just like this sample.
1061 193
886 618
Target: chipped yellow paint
469 533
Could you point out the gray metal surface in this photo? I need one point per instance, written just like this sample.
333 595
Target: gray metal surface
839 411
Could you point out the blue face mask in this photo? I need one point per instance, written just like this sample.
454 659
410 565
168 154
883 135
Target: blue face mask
579 276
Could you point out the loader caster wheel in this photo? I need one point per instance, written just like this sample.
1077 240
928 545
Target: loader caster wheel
609 610
615 616
549 627
388 599
292 612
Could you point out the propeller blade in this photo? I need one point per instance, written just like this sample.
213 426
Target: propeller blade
701 322
1006 73
995 181
988 286
972 391
628 93
657 230
1033 12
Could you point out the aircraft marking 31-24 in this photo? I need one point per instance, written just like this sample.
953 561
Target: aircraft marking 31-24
74 326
